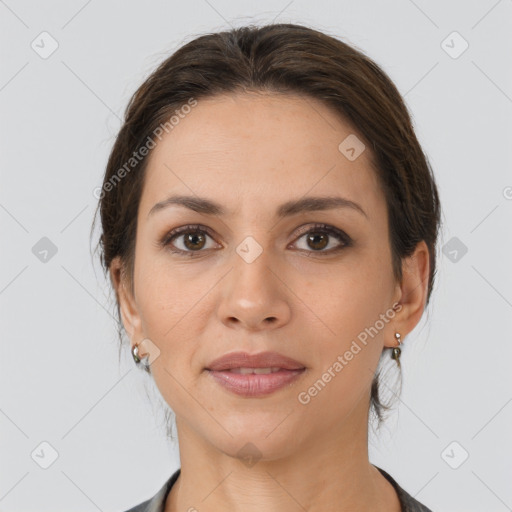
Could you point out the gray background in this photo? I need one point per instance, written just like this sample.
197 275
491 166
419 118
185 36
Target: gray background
60 379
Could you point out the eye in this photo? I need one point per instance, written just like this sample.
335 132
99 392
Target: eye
192 239
317 238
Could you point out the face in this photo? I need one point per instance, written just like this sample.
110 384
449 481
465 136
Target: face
307 285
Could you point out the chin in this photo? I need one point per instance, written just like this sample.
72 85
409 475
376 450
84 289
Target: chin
256 437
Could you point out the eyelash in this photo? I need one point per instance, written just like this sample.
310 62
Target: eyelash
315 228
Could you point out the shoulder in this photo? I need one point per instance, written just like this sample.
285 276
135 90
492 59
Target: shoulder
407 502
157 502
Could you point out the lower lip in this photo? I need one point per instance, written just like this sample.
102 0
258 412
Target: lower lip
252 384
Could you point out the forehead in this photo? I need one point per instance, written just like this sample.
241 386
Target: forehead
239 149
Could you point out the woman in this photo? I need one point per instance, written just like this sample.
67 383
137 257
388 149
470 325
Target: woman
269 225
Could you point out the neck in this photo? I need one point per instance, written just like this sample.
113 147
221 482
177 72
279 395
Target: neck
328 473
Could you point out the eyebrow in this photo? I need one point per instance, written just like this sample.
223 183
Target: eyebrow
306 204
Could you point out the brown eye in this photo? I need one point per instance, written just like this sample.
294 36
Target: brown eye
319 236
191 240
187 240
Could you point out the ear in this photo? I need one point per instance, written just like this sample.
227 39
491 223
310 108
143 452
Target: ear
127 304
411 293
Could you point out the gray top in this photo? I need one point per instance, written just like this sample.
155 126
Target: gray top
157 502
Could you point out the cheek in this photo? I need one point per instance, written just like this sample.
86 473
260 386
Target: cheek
171 314
349 307
349 349
161 300
351 296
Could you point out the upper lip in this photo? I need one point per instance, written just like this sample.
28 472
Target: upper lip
260 360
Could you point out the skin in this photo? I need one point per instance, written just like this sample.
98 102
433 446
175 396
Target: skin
251 153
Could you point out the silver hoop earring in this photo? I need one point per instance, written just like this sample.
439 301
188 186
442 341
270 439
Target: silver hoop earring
138 360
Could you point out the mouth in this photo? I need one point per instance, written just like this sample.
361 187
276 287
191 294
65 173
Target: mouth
254 375
255 382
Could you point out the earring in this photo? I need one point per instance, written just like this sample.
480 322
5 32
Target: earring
138 359
395 354
135 354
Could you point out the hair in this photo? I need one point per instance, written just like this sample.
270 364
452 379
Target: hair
281 59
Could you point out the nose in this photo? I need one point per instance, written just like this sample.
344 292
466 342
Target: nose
254 295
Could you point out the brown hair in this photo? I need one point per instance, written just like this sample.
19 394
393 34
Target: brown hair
279 58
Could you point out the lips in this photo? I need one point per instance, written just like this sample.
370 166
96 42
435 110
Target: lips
261 360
